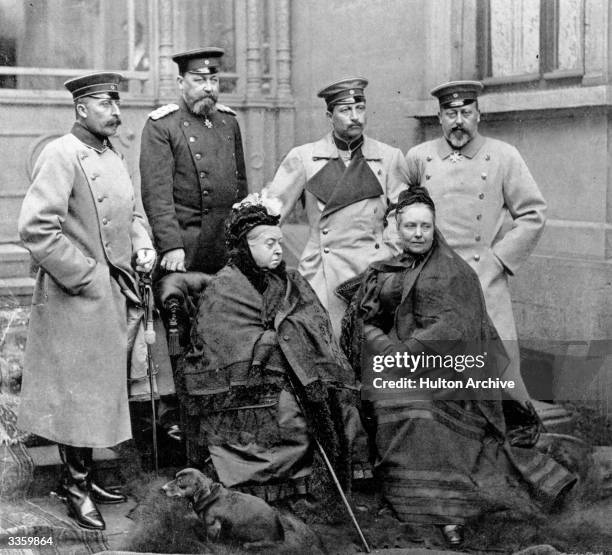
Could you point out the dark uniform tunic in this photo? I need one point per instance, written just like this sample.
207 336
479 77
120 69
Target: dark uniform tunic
191 175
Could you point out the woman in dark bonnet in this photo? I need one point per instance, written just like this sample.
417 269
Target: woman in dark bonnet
264 374
445 456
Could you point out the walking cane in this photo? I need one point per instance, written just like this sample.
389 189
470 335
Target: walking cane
343 496
332 473
148 303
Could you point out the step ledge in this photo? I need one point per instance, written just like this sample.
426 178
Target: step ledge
48 455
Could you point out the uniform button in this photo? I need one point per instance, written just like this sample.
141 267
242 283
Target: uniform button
205 211
487 157
326 250
325 231
476 257
100 198
186 123
477 237
483 175
427 176
192 139
198 156
94 176
481 196
429 158
479 217
205 193
286 337
202 175
83 155
104 221
107 244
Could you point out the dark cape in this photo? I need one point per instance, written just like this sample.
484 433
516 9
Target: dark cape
443 457
256 372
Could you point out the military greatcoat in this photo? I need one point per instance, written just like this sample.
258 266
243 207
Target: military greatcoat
78 221
489 209
346 219
192 171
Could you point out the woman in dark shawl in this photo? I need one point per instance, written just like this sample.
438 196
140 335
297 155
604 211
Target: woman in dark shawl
264 374
443 453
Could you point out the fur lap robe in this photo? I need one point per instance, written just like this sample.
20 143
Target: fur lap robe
251 353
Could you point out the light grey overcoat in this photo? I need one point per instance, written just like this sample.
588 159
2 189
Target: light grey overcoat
344 242
78 221
489 209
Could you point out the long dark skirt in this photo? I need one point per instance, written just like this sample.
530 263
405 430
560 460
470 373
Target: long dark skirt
442 463
255 437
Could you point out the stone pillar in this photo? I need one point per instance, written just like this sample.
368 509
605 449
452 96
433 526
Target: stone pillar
283 49
285 115
167 68
253 88
255 140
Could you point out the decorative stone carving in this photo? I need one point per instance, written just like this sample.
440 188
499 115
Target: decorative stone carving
34 152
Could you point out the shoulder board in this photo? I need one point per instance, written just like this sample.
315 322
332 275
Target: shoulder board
226 109
163 111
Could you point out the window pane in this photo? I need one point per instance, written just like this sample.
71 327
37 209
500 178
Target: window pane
515 37
56 35
201 23
570 35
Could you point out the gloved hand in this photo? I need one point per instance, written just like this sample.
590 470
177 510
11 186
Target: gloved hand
379 342
263 348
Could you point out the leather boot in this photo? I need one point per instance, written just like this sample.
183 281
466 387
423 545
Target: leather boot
75 487
98 493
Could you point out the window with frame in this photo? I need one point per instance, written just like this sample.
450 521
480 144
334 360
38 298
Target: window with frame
43 43
209 23
530 40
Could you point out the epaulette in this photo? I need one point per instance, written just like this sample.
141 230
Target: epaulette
163 111
224 108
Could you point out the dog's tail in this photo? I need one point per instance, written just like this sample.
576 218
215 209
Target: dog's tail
299 537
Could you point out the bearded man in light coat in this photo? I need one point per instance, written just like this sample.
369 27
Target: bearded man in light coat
79 222
346 181
489 207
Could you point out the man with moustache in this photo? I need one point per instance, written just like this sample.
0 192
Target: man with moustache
79 222
192 168
489 207
346 181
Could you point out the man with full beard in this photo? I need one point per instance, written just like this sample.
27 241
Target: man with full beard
489 207
192 168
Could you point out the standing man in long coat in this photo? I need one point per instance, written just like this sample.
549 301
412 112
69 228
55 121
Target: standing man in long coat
79 222
192 168
489 208
347 181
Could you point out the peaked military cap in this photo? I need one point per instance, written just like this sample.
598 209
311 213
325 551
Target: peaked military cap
345 91
95 83
204 61
457 93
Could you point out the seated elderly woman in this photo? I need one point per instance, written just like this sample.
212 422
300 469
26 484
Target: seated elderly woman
264 374
443 451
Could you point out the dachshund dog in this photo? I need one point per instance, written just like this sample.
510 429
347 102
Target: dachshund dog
232 516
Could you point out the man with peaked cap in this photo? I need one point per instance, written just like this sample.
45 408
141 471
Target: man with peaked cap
346 181
489 207
192 167
80 224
